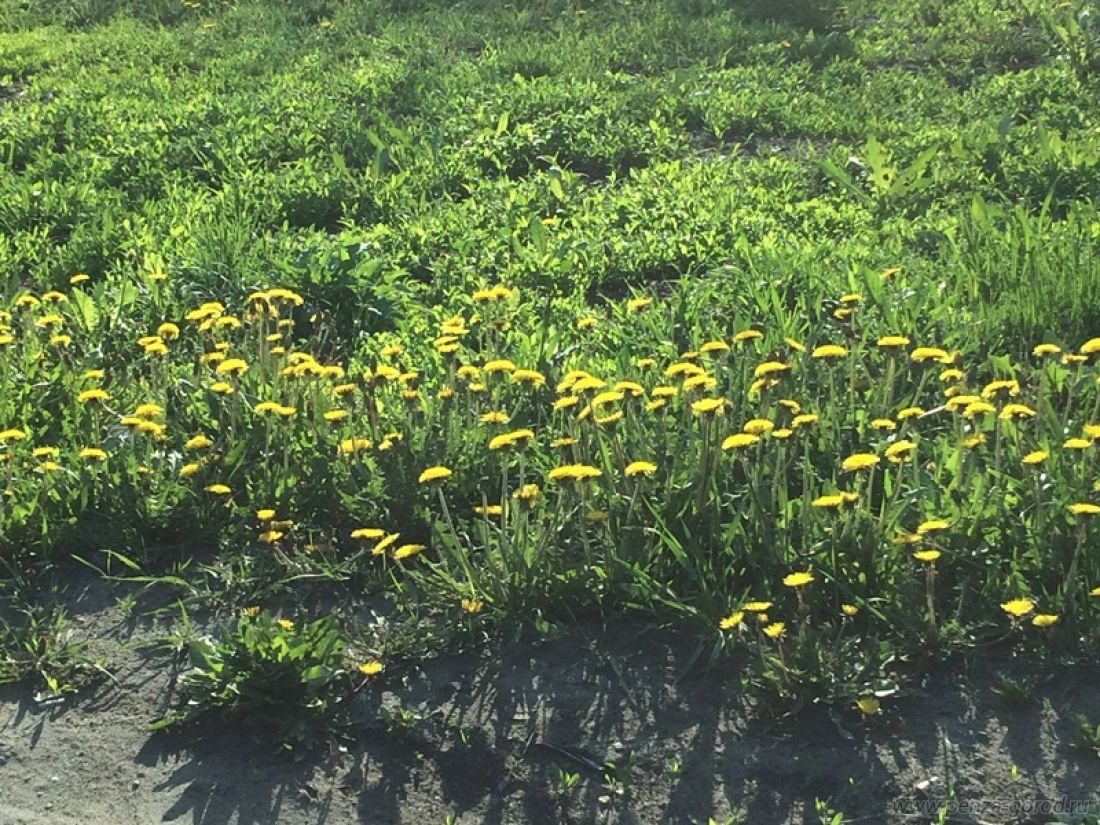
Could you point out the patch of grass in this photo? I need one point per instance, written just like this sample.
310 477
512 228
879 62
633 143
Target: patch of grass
623 271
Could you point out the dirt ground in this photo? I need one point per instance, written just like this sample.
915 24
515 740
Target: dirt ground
601 725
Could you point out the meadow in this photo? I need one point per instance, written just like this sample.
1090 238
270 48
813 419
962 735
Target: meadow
372 331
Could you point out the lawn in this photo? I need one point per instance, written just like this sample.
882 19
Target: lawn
343 340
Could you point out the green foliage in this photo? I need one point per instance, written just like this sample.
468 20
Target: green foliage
40 646
272 674
381 163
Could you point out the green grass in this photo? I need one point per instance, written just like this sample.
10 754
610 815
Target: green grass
745 164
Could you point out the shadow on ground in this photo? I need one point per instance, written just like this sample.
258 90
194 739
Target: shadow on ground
613 725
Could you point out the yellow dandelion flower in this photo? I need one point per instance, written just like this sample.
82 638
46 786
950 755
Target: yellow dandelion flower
149 410
285 624
512 439
188 470
639 468
1018 608
893 341
588 384
88 396
1084 509
868 705
407 551
1044 619
1035 457
638 304
335 416
1046 349
218 489
1012 411
775 630
349 446
532 377
757 607
960 401
371 667
758 426
883 424
797 346
923 354
367 533
527 493
1009 386
804 419
770 368
231 366
436 473
732 620
829 351
899 451
909 412
1090 347
950 375
714 346
574 472
859 461
563 442
472 606
797 579
701 381
488 510
50 320
927 556
739 441
932 526
384 544
976 408
747 335
629 388
683 368
849 610
708 406
604 398
587 322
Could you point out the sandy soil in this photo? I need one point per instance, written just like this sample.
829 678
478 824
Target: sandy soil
489 736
